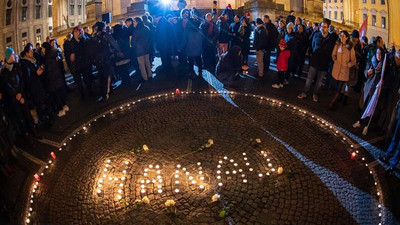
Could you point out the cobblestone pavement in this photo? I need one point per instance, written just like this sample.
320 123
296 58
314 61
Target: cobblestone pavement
103 169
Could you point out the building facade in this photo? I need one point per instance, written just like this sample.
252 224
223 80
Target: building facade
24 21
383 16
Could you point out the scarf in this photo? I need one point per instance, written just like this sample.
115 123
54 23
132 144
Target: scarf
210 28
8 66
32 60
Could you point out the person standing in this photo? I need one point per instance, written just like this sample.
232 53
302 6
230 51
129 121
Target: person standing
260 45
234 32
272 34
290 18
323 44
223 36
302 45
164 41
344 57
142 41
210 34
192 43
291 41
282 63
245 33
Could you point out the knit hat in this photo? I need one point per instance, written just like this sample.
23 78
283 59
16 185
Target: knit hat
229 6
282 43
9 52
290 25
247 14
355 34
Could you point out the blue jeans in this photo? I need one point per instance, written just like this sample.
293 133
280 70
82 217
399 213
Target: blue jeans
312 72
394 147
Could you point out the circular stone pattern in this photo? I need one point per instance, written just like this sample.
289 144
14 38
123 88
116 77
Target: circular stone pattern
198 146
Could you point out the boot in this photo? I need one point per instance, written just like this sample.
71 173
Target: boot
333 101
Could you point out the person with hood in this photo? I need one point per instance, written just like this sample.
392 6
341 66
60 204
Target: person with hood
210 34
13 93
164 41
260 45
344 57
230 12
35 91
323 44
142 41
230 66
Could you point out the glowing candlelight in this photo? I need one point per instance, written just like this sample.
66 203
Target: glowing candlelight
244 181
177 190
190 178
201 186
220 184
201 178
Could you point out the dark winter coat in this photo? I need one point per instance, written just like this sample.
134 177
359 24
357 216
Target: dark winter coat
193 39
79 49
260 38
12 83
33 83
272 35
230 62
223 30
142 40
164 36
209 38
54 76
245 33
322 49
290 18
234 33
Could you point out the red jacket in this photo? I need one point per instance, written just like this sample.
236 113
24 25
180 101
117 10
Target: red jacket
283 58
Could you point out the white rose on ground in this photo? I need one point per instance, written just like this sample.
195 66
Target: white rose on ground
215 197
258 140
210 141
145 148
146 200
280 170
169 203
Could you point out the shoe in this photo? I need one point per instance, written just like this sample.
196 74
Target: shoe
302 95
315 98
357 124
66 108
286 82
281 85
61 113
277 86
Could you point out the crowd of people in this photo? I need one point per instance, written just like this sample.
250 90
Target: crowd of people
33 89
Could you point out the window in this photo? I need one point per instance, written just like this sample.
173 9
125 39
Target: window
39 39
49 11
324 13
38 31
341 1
383 19
72 24
341 15
9 3
50 28
79 9
364 1
330 13
37 12
383 2
335 13
335 1
364 16
24 13
330 1
374 20
8 17
24 35
8 40
71 9
372 1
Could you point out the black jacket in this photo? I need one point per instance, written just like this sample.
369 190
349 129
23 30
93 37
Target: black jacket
260 38
164 36
141 39
322 51
12 83
272 35
234 33
223 30
33 83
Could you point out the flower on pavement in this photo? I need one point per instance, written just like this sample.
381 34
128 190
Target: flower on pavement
169 203
146 200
